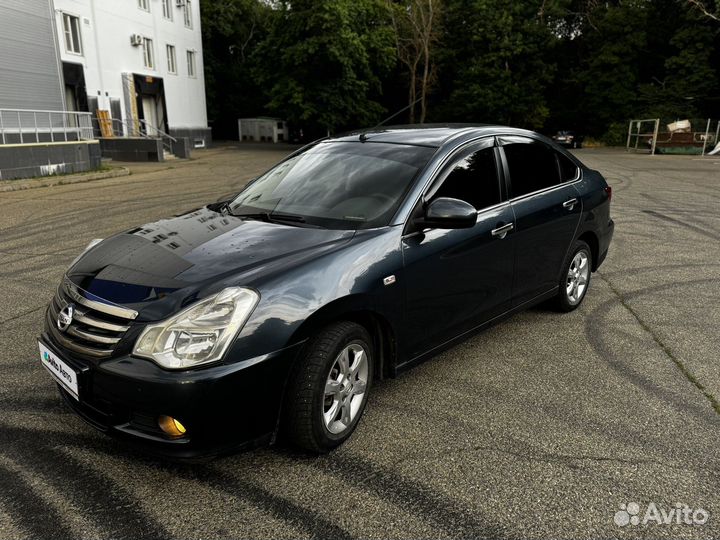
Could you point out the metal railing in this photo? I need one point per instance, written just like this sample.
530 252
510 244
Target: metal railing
26 126
142 129
123 129
151 131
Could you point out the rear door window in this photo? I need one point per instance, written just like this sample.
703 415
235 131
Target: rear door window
532 166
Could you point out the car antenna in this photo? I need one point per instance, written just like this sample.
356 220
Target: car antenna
363 135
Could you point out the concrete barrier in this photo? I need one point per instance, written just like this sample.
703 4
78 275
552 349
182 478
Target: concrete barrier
48 158
132 149
182 147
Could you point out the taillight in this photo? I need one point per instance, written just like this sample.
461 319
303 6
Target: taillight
608 190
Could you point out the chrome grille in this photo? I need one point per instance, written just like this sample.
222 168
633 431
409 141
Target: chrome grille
96 326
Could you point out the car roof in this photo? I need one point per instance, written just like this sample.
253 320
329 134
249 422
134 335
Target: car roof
433 135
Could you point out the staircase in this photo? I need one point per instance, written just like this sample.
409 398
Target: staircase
130 130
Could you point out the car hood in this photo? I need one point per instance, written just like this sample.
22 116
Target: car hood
179 256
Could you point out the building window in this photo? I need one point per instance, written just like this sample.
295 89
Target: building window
187 12
148 56
144 4
167 9
171 60
71 29
191 63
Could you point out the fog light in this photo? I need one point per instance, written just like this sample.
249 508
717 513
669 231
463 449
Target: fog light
170 426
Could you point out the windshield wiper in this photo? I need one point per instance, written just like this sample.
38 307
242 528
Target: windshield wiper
262 216
270 217
286 217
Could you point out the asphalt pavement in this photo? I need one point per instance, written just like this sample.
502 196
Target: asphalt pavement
545 426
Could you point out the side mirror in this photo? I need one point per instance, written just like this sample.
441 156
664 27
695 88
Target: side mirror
447 213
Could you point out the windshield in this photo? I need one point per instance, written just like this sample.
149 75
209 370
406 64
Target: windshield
338 185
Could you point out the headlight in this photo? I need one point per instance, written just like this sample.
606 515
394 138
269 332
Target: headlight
91 245
199 334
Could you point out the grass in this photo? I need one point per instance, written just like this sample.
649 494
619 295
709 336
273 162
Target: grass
63 178
102 168
591 142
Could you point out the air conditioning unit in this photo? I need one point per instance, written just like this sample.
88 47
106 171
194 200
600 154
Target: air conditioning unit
136 39
180 3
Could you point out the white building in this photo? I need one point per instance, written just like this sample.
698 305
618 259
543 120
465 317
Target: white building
140 60
262 129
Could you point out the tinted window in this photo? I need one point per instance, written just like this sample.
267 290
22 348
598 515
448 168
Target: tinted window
532 167
568 170
337 185
473 179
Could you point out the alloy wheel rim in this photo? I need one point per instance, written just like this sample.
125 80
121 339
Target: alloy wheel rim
345 388
577 277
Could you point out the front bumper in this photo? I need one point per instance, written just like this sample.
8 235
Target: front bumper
223 407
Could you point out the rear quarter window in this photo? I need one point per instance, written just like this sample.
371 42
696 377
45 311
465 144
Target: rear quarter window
568 170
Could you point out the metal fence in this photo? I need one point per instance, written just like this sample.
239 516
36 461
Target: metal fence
136 128
24 126
642 134
663 135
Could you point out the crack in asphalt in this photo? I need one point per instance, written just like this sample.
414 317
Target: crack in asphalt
23 314
663 346
550 457
688 226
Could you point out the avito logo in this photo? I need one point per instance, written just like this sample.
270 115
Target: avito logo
680 514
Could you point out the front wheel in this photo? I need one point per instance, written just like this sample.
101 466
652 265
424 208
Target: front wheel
575 277
328 390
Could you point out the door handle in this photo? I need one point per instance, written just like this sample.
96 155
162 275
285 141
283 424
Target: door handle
570 204
502 231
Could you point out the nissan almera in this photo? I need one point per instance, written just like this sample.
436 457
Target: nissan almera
273 312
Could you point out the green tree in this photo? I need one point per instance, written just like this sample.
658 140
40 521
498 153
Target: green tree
640 58
709 8
416 27
497 60
610 69
687 78
588 65
323 62
232 30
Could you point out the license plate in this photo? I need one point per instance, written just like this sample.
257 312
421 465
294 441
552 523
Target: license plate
60 371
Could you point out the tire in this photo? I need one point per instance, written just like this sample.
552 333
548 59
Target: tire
313 400
569 299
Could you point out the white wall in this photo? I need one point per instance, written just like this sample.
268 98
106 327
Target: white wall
107 53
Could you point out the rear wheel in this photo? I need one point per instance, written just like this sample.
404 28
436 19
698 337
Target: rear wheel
575 278
329 388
